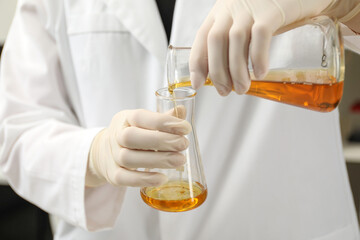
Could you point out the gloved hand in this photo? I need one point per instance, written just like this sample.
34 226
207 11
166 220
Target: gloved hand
235 29
138 139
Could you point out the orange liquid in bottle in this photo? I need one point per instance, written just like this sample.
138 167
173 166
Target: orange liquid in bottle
174 196
323 96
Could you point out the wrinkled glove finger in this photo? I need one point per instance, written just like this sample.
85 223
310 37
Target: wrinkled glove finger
144 139
261 35
157 121
126 177
239 39
198 62
218 49
148 159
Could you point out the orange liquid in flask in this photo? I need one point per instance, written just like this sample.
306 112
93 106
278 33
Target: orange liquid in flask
174 196
323 96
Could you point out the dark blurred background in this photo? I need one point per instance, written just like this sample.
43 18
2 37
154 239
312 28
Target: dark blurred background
20 220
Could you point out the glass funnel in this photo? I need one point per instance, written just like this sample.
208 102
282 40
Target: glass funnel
186 187
306 67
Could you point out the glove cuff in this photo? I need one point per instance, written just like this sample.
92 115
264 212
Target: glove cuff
352 19
351 14
331 6
93 178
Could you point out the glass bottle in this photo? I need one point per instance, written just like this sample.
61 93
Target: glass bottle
306 67
186 187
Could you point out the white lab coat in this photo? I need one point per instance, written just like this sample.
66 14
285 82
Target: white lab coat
273 171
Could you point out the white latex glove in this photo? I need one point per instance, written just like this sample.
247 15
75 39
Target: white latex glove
137 139
235 29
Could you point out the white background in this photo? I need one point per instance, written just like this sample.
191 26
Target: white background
7 8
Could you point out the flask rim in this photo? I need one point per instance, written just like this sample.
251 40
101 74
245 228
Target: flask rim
172 47
188 93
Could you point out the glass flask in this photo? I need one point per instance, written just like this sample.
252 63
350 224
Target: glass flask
306 67
186 187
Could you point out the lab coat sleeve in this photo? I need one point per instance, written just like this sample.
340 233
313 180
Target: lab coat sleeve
43 150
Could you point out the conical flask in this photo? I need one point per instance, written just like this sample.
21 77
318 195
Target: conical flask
186 187
306 67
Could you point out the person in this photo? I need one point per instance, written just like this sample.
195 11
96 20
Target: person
75 76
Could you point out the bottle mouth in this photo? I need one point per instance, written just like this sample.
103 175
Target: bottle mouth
178 93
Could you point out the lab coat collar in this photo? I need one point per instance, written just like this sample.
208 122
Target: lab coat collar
142 19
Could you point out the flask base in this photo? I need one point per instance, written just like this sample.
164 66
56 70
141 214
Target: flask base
174 196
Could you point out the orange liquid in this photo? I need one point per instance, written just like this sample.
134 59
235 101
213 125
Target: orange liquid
321 97
317 97
174 196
